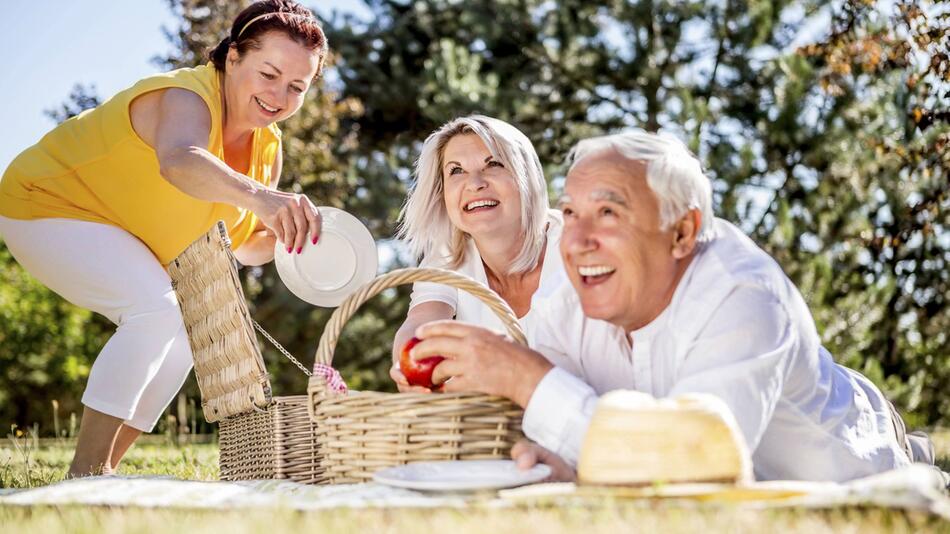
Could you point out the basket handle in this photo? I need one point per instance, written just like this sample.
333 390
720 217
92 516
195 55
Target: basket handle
407 276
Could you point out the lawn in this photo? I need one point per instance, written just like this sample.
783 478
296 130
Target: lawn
23 465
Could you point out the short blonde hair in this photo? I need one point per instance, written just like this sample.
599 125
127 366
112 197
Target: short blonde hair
424 223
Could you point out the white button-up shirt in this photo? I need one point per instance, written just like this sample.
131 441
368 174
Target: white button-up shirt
471 310
737 328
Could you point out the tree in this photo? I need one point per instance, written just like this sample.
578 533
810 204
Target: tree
873 243
824 127
318 161
46 348
832 155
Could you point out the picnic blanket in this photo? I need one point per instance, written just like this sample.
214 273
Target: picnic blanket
914 488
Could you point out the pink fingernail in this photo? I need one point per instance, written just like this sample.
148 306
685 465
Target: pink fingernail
289 249
299 249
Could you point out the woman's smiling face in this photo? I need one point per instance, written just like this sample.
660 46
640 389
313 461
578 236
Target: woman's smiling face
268 83
481 196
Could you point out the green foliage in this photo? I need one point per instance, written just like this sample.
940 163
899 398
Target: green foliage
832 155
46 348
861 220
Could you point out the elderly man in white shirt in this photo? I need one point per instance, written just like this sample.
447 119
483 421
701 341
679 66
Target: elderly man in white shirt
690 304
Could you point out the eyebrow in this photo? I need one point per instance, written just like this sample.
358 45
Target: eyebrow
271 65
489 158
609 196
562 200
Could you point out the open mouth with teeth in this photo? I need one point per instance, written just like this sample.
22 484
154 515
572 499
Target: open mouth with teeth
594 274
267 109
480 205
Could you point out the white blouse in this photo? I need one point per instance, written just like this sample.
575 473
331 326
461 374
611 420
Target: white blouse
471 310
736 328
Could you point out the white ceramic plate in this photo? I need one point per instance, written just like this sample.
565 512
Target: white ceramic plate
461 475
343 259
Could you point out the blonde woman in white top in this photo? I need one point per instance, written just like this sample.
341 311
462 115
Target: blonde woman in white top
479 206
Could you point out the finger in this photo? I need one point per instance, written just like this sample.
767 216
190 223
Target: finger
412 389
403 385
459 384
300 228
287 224
519 448
560 471
451 328
397 376
448 347
546 456
445 370
314 221
525 457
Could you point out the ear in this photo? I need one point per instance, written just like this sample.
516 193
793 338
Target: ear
233 56
685 233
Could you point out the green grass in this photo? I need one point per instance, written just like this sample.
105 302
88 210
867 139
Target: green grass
25 466
30 466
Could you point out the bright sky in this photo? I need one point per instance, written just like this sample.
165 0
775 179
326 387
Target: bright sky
51 45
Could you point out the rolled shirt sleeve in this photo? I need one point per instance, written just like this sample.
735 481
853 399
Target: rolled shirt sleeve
741 356
559 412
428 291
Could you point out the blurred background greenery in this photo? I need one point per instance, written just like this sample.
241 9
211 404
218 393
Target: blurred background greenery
824 126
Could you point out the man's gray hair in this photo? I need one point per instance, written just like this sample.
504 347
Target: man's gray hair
674 174
424 223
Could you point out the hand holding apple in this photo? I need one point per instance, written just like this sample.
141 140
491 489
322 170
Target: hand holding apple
477 359
417 372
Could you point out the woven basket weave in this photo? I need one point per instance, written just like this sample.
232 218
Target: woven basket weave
322 438
361 433
261 437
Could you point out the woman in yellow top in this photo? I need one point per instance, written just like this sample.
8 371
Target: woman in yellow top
105 200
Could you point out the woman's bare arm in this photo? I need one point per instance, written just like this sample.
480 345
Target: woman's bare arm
259 248
179 133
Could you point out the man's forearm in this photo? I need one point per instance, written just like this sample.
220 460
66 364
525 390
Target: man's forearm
532 370
558 413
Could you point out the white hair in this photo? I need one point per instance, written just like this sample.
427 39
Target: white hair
674 174
424 222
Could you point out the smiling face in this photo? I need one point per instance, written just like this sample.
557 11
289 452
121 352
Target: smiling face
622 262
268 83
481 196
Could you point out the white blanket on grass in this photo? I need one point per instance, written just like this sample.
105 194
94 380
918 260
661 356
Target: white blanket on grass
914 488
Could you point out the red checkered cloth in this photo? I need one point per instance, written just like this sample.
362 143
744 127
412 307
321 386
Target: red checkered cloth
332 376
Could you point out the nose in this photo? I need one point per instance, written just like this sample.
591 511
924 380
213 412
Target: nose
282 94
578 238
475 182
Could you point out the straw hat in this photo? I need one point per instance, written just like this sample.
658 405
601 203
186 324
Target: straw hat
635 439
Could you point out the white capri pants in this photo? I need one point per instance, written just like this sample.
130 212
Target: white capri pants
107 270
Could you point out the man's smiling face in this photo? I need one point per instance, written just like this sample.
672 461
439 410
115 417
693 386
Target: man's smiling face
617 254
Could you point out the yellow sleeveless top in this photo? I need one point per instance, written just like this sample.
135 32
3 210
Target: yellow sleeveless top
94 167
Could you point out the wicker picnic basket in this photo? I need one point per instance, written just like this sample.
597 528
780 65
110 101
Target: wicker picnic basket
362 432
323 437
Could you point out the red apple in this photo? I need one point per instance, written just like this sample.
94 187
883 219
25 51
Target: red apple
417 372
